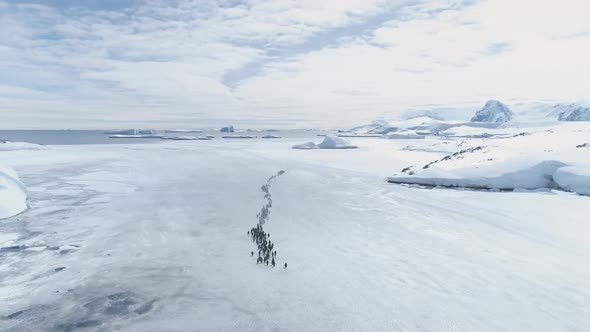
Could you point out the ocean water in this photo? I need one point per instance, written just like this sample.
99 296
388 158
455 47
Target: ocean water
74 137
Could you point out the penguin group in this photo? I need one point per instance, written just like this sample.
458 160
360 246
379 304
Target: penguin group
266 248
266 252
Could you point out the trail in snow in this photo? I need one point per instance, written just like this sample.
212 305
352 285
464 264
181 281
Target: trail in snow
266 255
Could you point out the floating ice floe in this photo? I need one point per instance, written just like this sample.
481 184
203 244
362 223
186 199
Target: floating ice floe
121 132
329 142
13 194
183 131
132 132
187 138
238 136
137 136
271 136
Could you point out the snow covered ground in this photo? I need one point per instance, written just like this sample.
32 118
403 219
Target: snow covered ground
13 194
137 237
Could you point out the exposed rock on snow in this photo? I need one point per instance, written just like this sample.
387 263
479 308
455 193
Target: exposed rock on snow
479 132
574 179
228 129
572 112
329 142
13 194
271 136
493 111
585 145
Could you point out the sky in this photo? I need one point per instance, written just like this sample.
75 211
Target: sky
281 63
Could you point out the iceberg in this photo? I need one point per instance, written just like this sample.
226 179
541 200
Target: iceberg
329 142
493 111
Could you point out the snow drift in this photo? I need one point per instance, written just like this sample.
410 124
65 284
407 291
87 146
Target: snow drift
505 176
14 146
574 179
493 111
13 194
329 142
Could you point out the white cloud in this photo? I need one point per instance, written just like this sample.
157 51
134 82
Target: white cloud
295 59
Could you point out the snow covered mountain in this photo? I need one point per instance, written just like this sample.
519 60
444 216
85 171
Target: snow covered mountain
493 111
571 112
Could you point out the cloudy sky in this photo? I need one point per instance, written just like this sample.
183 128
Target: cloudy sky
306 63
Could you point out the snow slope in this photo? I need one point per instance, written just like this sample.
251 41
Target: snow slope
504 176
13 194
507 158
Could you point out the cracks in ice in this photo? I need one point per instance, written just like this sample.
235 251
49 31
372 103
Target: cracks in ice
266 253
91 312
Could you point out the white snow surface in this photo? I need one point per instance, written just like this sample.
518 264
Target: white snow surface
13 194
493 111
329 142
152 237
516 156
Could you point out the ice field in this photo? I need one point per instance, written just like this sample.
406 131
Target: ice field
137 237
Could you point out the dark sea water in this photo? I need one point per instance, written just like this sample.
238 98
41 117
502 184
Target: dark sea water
65 137
75 137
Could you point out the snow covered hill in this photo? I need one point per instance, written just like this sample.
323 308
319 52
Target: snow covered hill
571 112
493 111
